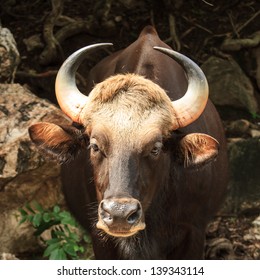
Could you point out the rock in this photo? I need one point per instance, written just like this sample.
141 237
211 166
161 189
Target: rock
256 53
229 85
254 133
213 227
256 222
253 233
244 182
9 56
7 256
234 140
241 128
25 176
219 249
238 127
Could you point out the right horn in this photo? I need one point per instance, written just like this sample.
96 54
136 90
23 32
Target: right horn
191 105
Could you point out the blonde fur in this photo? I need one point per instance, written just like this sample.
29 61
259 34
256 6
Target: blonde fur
128 97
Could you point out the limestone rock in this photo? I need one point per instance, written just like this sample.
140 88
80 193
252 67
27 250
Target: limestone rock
256 222
254 133
9 56
238 127
219 248
229 85
241 128
25 176
7 256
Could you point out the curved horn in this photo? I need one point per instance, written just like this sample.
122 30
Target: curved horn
70 99
191 105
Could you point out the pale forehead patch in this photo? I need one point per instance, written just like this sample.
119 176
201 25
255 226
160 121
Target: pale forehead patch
128 101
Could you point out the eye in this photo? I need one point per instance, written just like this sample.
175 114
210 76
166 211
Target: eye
97 148
94 147
156 149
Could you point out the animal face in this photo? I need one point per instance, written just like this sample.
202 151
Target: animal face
128 127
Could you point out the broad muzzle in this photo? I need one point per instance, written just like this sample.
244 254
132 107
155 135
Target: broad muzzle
120 217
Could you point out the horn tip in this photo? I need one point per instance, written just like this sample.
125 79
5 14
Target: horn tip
167 51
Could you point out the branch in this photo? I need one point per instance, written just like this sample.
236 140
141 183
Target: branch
174 37
248 21
53 47
237 44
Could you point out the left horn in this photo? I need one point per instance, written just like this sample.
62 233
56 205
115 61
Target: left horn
70 99
191 105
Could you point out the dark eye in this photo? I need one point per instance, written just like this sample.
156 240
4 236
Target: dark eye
156 150
94 147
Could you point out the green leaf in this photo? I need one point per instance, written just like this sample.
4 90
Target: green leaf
63 241
51 248
68 221
87 238
23 212
65 214
29 208
81 249
53 241
24 219
255 115
67 218
36 221
74 236
70 249
46 217
56 209
38 206
56 217
58 254
30 218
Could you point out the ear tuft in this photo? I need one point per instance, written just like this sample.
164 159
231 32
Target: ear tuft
198 148
61 143
49 134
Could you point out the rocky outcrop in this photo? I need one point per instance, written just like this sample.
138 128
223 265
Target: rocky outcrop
244 173
229 85
9 55
243 151
25 175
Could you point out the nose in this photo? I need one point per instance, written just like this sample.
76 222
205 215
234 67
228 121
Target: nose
121 212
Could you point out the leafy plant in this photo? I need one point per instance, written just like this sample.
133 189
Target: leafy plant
255 115
66 241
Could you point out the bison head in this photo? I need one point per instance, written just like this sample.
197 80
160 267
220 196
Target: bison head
128 123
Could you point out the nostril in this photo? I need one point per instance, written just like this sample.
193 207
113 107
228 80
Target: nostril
105 214
134 217
106 217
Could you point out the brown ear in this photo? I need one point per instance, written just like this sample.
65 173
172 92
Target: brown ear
198 148
60 142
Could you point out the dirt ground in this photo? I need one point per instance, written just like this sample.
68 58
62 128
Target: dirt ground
197 28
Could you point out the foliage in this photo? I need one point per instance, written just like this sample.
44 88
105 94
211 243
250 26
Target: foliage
255 115
66 241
